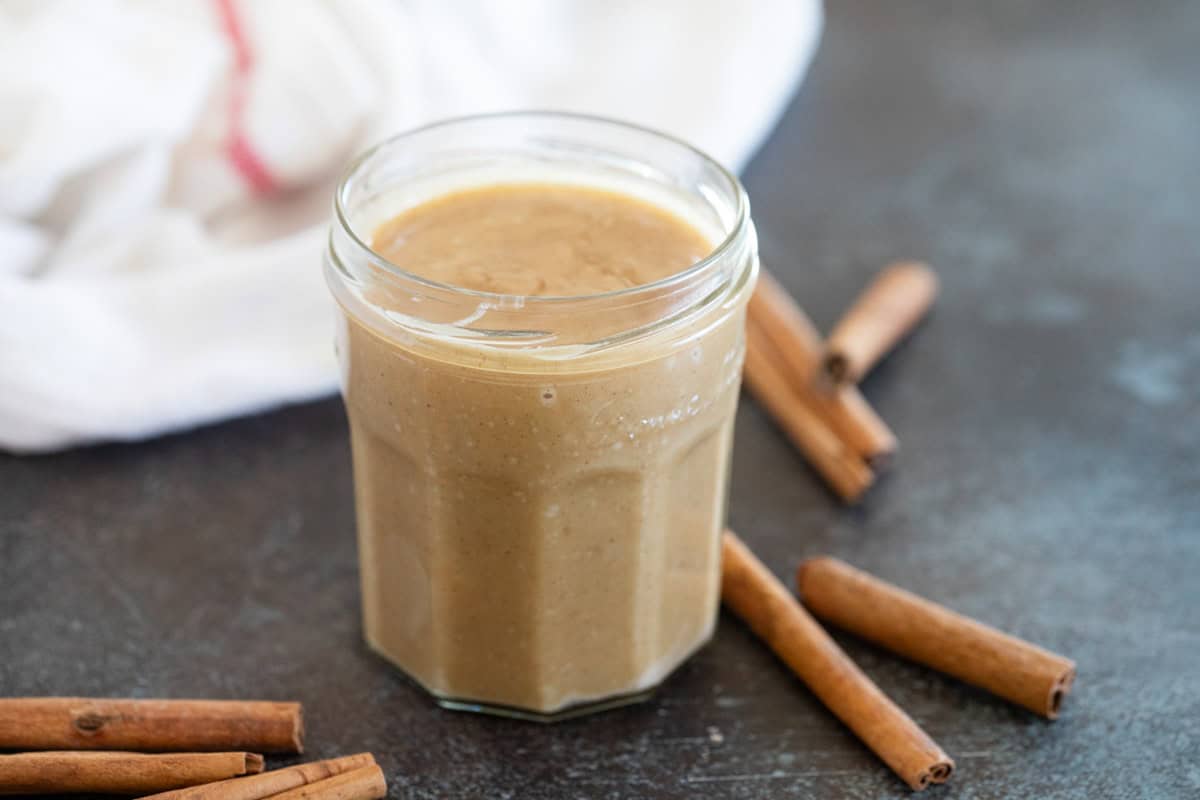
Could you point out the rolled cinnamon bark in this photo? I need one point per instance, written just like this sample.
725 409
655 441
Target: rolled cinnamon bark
931 634
795 346
366 783
73 772
881 316
79 723
268 784
774 615
841 467
859 425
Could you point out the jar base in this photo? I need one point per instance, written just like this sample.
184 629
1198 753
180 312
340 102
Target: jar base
581 708
486 708
570 712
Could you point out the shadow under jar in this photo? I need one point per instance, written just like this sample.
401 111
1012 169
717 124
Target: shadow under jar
540 482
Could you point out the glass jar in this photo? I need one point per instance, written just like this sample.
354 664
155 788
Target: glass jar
540 482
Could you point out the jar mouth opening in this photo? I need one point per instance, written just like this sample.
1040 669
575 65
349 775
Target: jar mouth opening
733 234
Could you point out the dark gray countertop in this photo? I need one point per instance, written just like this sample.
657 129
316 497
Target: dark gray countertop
1045 157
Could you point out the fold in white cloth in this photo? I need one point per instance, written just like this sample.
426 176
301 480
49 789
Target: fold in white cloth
166 169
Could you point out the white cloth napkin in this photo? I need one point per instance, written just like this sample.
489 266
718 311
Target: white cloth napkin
166 169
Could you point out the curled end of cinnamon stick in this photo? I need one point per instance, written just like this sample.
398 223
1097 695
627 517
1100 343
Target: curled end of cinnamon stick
254 763
937 772
1059 691
941 771
298 729
836 368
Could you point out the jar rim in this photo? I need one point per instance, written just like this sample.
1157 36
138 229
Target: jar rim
735 231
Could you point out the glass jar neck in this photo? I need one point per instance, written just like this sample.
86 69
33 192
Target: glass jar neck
536 148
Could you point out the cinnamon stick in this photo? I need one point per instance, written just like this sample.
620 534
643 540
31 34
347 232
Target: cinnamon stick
366 783
931 634
881 316
842 468
267 784
794 344
859 424
774 615
67 772
78 723
844 410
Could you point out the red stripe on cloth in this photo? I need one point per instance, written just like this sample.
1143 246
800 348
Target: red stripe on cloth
245 159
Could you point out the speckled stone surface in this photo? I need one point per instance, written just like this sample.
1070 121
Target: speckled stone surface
1045 156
